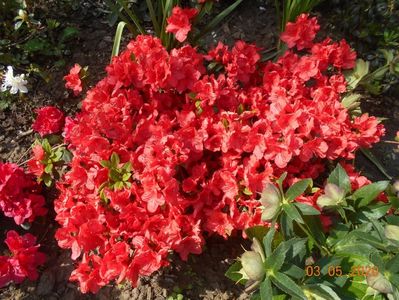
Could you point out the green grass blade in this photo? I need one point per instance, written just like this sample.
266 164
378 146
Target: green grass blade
115 9
211 25
131 15
153 17
117 39
370 156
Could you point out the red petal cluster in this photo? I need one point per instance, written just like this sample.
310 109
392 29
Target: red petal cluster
23 261
202 147
35 164
73 80
19 194
179 23
49 120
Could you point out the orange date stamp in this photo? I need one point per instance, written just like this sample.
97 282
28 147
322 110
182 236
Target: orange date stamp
336 271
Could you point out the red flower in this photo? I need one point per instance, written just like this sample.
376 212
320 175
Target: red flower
35 165
24 260
179 22
73 80
49 120
301 33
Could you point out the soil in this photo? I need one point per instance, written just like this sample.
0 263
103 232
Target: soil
202 277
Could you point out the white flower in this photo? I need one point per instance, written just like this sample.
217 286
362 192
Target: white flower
15 83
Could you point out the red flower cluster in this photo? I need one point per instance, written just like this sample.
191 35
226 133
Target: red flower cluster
202 147
179 23
49 120
19 194
24 260
73 80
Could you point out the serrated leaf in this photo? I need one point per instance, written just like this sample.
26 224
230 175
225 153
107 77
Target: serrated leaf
340 178
286 284
298 189
368 193
307 210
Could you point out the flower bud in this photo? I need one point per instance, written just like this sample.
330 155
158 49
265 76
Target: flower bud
392 232
271 201
379 283
333 196
252 265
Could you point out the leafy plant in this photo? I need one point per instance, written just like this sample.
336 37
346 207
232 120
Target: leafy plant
134 17
357 258
27 42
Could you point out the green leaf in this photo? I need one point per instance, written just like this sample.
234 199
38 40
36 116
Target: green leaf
49 168
266 291
268 239
286 284
354 76
126 176
280 181
114 160
46 146
374 212
117 39
68 33
258 232
232 272
34 45
368 193
298 189
393 264
293 271
277 258
370 156
287 227
307 210
105 164
292 212
340 178
321 292
212 24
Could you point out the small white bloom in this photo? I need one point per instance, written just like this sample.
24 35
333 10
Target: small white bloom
15 83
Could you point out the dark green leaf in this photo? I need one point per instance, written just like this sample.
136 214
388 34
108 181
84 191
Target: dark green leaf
34 45
375 211
257 232
293 271
213 23
232 272
306 209
292 212
368 193
286 284
277 258
68 33
375 161
298 189
322 291
340 178
287 226
393 264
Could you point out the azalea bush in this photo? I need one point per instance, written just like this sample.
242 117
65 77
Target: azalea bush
173 146
354 257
